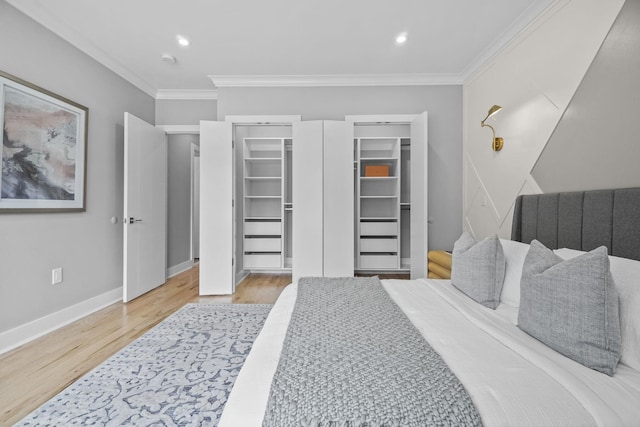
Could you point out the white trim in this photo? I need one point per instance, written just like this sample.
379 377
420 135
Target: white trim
277 119
381 118
195 152
180 129
179 268
190 94
40 15
241 276
336 80
527 20
22 334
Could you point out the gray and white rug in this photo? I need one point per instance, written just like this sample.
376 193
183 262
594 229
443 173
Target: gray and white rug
177 374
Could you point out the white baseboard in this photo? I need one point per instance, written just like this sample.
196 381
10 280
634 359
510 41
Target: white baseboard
241 276
29 331
179 268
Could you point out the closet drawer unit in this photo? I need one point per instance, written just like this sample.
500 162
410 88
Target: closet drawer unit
376 262
262 261
378 228
378 245
263 228
262 244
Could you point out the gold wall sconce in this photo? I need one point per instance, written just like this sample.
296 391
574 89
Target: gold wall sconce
497 141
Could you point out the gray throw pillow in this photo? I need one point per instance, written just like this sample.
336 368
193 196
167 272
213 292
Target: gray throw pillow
572 306
478 268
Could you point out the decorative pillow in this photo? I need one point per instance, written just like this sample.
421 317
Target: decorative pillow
572 306
626 273
478 269
514 254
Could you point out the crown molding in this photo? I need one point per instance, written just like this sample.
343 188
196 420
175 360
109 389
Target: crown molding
527 20
83 44
255 119
335 80
384 118
190 94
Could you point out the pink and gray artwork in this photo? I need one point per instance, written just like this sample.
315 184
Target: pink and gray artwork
39 146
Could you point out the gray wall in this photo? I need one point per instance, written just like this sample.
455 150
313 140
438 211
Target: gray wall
179 199
87 245
443 103
185 111
596 144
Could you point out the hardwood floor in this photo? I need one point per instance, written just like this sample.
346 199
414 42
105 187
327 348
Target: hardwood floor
32 374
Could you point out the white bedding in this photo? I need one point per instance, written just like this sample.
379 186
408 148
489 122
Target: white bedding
513 379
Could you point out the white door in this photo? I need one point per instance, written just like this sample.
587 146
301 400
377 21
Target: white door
419 196
145 207
338 199
307 239
217 270
322 199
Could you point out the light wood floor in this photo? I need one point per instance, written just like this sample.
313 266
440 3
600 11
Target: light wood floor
32 374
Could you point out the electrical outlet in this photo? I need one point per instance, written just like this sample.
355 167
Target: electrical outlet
56 276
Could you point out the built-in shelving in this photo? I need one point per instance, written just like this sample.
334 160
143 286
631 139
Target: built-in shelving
264 209
378 165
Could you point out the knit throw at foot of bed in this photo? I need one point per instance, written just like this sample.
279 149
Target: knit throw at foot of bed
178 373
352 358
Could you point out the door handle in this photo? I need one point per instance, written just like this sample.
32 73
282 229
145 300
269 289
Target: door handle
132 220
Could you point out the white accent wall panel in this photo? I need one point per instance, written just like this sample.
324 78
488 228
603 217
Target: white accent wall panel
534 80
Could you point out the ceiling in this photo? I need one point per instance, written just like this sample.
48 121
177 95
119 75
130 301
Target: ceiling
285 42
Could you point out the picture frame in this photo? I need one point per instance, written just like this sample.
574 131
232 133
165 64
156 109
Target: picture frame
43 150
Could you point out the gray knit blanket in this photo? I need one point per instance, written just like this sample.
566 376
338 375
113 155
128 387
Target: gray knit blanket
351 358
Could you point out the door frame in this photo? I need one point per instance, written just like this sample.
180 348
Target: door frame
419 205
186 130
195 152
251 120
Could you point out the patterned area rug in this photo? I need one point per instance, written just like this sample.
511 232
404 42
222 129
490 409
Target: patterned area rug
177 374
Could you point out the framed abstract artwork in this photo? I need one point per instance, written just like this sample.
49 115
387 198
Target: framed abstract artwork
44 149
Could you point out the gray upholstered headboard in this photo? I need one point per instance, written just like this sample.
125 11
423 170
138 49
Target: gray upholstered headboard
581 220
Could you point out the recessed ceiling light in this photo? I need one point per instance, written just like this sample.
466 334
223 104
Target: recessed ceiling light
401 38
182 40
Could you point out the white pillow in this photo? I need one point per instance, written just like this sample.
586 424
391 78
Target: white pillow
626 274
514 254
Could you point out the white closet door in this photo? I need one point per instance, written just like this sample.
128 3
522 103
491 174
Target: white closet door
419 197
216 209
307 239
338 199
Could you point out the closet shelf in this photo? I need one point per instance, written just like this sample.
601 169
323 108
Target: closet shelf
379 197
263 178
379 178
378 218
259 218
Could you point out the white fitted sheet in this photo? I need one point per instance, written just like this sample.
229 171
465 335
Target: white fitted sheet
513 379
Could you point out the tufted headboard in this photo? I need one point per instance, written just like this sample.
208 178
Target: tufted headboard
581 220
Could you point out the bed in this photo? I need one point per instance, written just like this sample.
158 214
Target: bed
511 377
